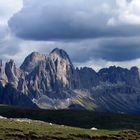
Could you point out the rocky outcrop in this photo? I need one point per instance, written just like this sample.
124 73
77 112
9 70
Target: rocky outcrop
117 74
63 68
12 73
11 88
52 76
3 78
31 61
87 78
51 81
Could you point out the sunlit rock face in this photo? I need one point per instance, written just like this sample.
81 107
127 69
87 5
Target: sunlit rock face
49 75
52 82
3 78
31 61
63 68
12 72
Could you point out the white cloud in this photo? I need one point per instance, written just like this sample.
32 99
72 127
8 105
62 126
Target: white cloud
7 9
127 12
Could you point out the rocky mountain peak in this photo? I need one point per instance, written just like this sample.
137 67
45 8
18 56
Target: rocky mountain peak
62 66
32 60
36 56
59 54
53 82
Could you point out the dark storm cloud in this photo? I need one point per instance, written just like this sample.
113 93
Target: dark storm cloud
119 49
114 49
96 29
53 20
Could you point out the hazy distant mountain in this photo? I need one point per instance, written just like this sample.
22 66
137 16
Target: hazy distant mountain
52 82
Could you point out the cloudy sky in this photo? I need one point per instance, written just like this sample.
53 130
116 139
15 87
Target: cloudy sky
94 33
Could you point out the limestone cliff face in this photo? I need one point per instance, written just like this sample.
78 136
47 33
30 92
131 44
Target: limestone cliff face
63 68
11 88
52 76
3 78
52 82
12 72
118 74
31 61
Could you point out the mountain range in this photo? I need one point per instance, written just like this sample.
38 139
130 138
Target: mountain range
52 82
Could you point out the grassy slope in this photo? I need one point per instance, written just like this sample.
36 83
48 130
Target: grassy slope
33 130
11 128
110 125
83 119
